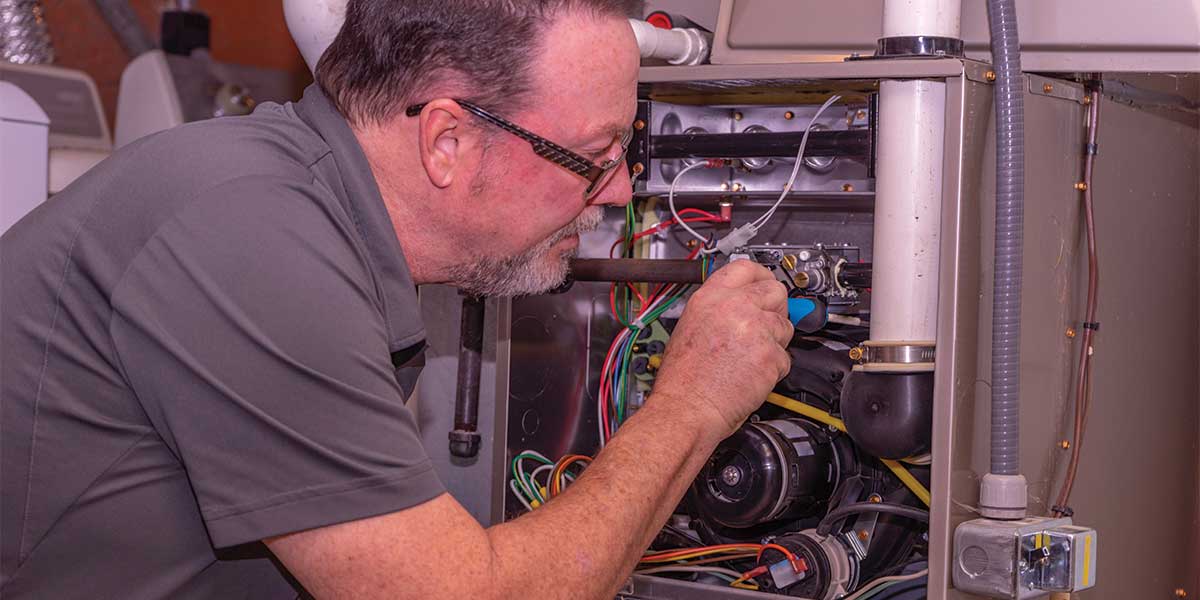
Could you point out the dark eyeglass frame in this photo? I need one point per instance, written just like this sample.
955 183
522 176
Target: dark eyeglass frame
597 175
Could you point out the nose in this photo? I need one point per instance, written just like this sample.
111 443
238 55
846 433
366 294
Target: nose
618 191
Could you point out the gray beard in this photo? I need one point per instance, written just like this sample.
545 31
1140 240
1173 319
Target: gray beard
526 273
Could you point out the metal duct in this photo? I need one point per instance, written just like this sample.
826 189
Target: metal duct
23 35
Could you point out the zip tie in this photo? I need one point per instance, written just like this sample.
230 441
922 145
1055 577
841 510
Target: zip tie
1091 149
1093 325
1063 510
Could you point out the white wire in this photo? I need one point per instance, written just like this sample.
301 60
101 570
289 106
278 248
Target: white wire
675 213
787 188
690 569
521 470
512 483
875 583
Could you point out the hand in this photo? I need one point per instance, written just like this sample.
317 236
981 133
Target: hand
729 348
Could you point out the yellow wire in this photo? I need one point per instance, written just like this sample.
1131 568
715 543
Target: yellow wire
807 410
821 416
697 554
903 475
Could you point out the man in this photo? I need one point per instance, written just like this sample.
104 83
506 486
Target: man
201 336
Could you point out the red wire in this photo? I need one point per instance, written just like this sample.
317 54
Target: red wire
640 298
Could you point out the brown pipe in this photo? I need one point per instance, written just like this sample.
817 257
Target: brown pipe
640 270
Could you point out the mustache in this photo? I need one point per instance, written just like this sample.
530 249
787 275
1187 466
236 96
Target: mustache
587 221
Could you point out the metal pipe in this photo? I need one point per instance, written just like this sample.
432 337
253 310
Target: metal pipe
853 143
641 270
464 438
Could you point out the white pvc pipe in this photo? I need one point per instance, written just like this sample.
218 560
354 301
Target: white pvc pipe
676 46
938 18
313 25
908 208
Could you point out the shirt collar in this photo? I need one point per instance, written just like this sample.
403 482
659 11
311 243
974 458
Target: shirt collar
362 200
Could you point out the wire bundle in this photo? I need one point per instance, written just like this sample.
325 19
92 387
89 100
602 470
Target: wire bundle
533 493
636 312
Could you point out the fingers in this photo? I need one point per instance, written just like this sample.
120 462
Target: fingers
782 330
739 273
770 295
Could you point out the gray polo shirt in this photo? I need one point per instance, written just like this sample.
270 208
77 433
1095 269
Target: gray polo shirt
204 342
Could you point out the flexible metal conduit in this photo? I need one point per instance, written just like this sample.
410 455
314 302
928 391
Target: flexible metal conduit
23 35
124 23
1010 209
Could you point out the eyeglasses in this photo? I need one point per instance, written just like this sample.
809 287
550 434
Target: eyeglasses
597 175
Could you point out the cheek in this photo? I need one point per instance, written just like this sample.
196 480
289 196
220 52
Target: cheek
532 202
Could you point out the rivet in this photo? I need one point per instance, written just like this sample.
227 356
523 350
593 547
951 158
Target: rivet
637 168
1070 332
846 187
1081 186
990 76
789 115
639 124
1048 88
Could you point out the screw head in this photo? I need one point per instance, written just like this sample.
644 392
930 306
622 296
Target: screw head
1081 186
639 124
862 114
875 498
1180 593
990 76
789 115
737 187
863 534
1065 444
691 244
1086 100
637 168
737 115
1070 332
846 187
856 353
1048 88
731 475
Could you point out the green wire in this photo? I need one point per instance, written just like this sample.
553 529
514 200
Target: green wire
520 477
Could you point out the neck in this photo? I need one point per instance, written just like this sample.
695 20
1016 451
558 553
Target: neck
409 199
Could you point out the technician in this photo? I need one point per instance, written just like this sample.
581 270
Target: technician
207 338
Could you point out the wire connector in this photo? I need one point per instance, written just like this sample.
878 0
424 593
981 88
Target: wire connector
1065 511
737 238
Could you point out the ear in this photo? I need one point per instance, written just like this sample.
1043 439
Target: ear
444 141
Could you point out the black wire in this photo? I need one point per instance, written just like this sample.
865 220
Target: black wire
841 512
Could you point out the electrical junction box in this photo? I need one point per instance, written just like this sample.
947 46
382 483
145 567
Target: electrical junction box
1025 558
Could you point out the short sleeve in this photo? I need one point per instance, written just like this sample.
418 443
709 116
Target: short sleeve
251 331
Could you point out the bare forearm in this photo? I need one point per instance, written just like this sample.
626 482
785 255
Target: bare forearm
591 537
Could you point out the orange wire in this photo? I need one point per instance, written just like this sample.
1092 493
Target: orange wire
797 565
559 469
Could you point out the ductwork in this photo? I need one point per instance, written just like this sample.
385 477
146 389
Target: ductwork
23 35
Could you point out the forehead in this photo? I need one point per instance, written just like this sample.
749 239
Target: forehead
585 77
